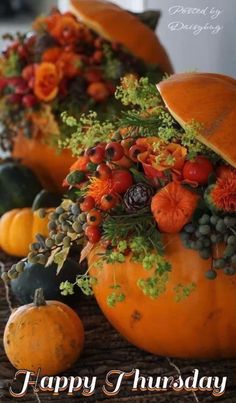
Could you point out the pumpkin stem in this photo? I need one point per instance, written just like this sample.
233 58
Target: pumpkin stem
39 297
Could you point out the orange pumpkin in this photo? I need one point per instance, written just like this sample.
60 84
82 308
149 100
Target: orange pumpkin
43 335
50 165
18 228
118 25
202 325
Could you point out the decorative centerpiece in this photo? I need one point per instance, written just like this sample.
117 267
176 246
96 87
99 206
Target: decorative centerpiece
153 209
69 64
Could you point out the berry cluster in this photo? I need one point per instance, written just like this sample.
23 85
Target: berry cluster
206 235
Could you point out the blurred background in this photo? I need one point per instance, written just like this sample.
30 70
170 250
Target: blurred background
201 38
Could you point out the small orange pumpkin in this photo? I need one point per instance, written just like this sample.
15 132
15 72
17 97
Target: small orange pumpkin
173 207
18 228
47 335
202 325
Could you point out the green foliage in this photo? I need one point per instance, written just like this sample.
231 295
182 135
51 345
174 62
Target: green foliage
184 291
12 65
88 130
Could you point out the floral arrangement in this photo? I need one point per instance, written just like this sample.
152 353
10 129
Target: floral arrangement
137 179
61 65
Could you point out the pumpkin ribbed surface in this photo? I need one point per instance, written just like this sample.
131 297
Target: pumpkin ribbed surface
49 337
203 325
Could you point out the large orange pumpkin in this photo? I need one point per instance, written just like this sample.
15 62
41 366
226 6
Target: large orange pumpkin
47 335
18 228
202 325
50 165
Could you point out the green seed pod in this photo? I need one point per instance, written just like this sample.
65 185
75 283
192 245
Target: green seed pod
49 243
205 253
205 219
5 277
219 263
66 241
229 251
42 213
211 275
83 217
35 246
231 240
75 209
230 271
12 273
77 227
52 225
60 210
41 259
189 228
204 229
20 267
220 226
75 177
214 219
59 238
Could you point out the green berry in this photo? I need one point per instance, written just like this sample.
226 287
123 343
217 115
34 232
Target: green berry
12 273
60 210
233 259
52 225
214 219
211 275
205 219
75 209
66 241
77 227
189 228
5 277
204 229
82 218
231 240
41 259
229 251
230 271
59 238
49 243
42 213
219 263
20 267
220 226
205 253
35 246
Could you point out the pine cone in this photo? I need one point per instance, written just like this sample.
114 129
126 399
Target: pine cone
138 197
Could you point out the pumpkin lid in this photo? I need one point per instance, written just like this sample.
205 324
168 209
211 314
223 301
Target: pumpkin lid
209 99
116 24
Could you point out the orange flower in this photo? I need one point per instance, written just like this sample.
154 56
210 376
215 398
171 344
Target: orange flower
98 188
224 171
46 81
52 55
69 63
160 157
173 207
66 30
223 193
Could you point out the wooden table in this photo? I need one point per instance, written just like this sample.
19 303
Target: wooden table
105 350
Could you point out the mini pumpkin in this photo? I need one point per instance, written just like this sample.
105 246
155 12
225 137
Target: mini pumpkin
47 335
18 228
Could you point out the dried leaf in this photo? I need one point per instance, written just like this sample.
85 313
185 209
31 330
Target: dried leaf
60 258
85 251
51 258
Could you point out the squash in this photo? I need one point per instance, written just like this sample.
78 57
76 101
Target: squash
202 325
118 25
46 199
18 228
37 276
18 186
47 335
209 99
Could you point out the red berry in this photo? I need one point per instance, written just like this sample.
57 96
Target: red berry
98 91
22 88
103 171
121 180
28 72
93 234
22 51
134 151
3 83
93 75
29 100
96 154
198 170
87 204
108 201
14 99
94 218
97 56
114 151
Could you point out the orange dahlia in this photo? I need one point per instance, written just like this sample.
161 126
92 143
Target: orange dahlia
46 81
66 30
98 188
223 193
